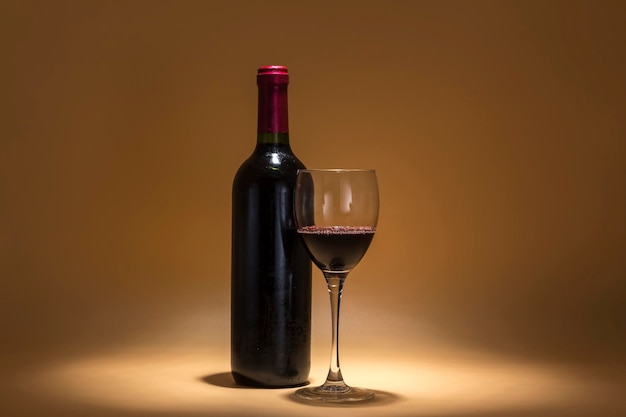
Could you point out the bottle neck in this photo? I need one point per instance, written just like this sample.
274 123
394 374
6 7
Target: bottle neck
273 121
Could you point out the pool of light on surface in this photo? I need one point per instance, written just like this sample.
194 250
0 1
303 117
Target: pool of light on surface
194 380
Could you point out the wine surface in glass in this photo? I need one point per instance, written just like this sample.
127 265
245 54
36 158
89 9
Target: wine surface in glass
337 248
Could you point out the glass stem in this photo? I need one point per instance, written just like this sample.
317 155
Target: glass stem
334 380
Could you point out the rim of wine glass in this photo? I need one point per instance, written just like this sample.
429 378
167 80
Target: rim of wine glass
337 170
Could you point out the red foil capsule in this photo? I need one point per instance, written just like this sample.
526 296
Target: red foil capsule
272 81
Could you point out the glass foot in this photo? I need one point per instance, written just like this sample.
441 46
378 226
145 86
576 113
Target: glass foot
334 394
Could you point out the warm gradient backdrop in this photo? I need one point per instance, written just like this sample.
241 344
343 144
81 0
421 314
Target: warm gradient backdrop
497 129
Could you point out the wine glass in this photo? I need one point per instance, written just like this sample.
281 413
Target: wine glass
336 214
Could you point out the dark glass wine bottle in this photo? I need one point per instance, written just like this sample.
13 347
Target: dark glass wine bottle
271 270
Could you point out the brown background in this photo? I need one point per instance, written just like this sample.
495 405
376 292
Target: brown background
496 128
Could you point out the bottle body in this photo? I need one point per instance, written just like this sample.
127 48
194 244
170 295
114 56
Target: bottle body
270 271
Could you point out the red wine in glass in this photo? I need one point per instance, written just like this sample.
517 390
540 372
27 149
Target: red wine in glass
337 248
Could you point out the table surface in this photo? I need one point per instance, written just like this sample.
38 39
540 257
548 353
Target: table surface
195 380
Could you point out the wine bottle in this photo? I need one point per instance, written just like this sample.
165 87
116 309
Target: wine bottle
271 270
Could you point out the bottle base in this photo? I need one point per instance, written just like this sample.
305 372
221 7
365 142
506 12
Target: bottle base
245 381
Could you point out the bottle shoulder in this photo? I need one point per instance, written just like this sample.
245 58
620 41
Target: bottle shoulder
268 162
